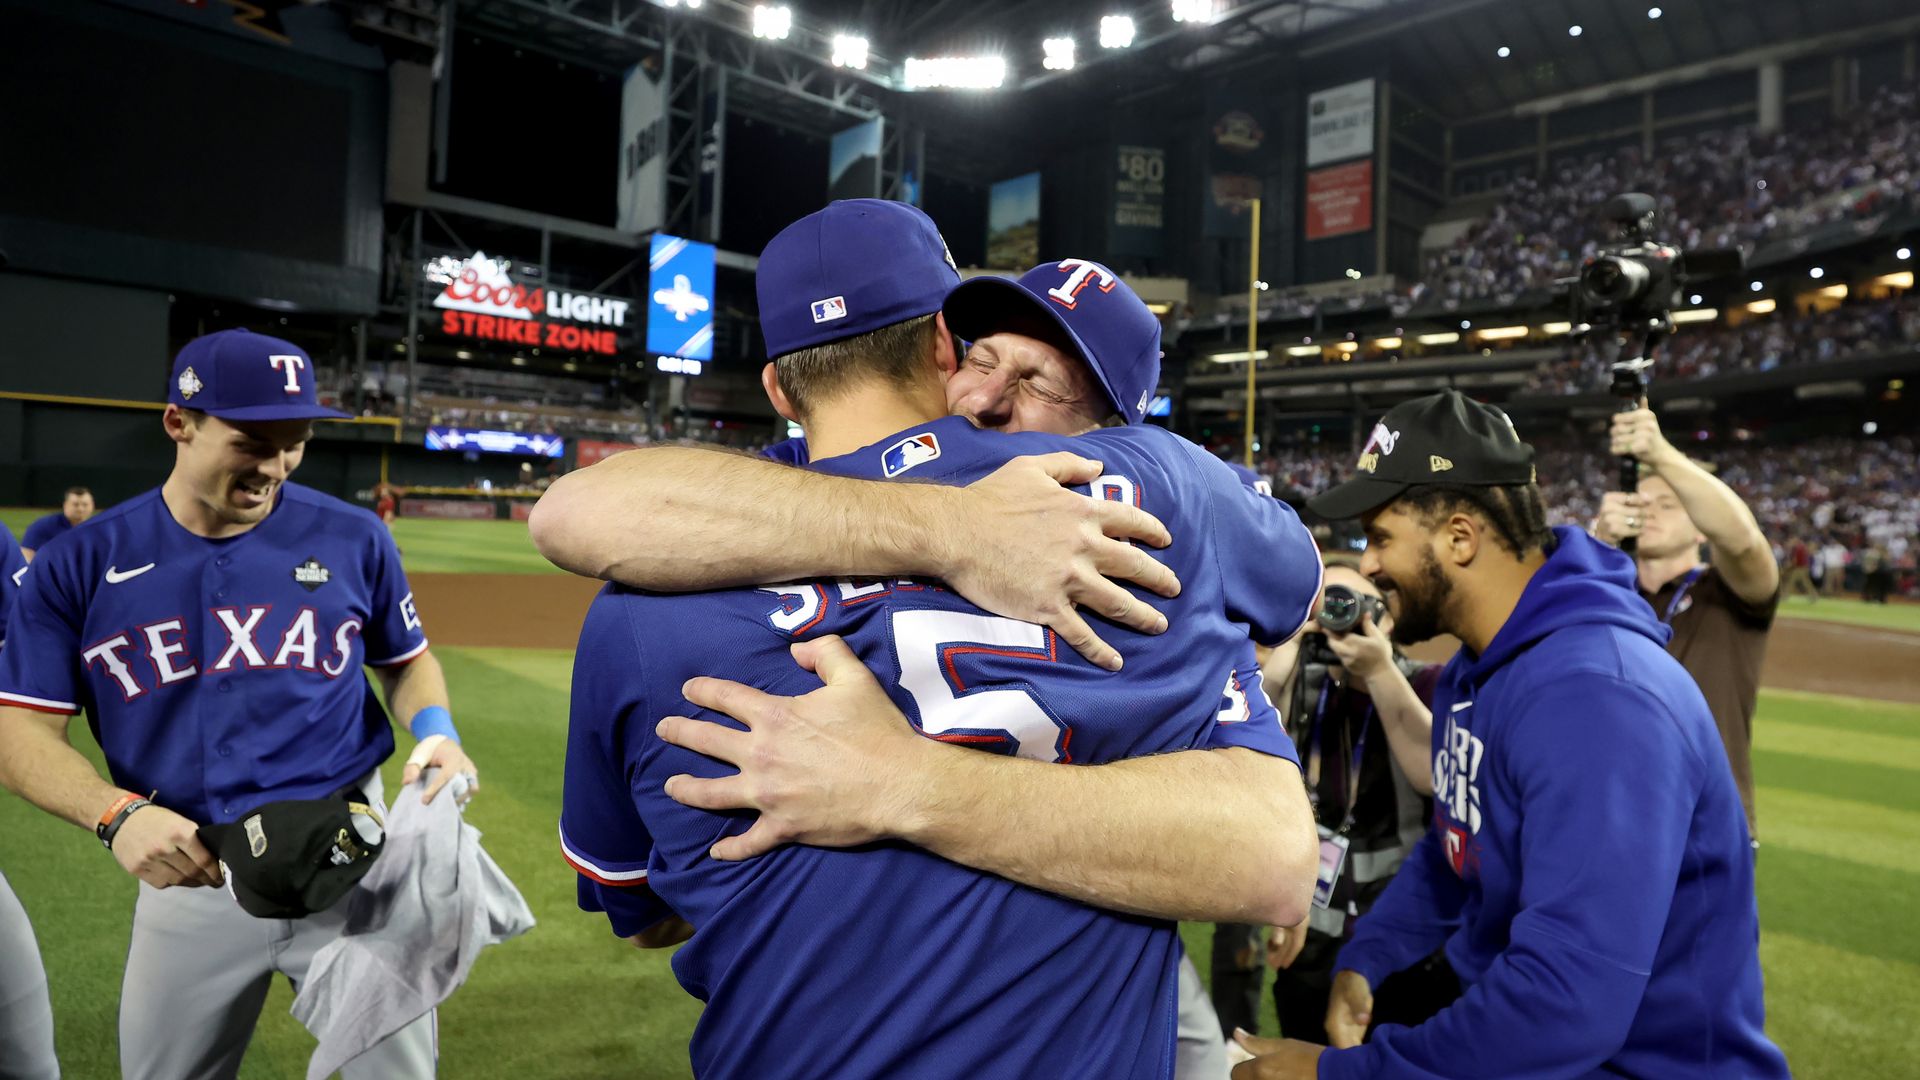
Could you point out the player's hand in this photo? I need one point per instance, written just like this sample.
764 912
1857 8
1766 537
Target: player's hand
1366 652
163 849
833 768
1020 544
438 751
1349 1010
1276 1059
1284 945
1620 517
1638 433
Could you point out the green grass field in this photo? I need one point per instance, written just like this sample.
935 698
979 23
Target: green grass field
1840 805
1840 814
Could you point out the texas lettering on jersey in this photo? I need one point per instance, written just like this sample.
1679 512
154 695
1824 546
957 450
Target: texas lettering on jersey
244 638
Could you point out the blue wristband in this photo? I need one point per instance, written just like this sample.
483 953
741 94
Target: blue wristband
433 720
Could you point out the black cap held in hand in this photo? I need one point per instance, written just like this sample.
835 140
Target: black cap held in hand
290 859
1443 438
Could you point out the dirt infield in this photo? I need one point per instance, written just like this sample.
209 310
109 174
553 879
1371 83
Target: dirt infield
544 611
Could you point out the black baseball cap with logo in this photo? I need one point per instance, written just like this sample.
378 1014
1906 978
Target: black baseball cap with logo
290 859
1443 438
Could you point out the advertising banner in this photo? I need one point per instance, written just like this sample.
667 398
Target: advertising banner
643 142
1139 201
853 162
593 451
448 509
1340 200
1238 159
680 298
496 442
1340 122
1013 223
479 299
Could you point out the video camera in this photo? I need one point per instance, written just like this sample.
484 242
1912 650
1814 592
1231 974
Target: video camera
1340 611
1629 288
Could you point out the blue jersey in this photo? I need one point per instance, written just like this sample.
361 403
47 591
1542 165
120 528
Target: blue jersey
221 673
787 451
13 566
43 530
889 961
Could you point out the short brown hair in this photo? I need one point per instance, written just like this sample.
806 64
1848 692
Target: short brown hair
896 354
79 491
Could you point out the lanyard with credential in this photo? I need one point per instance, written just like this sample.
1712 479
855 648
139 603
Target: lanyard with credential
1352 773
1680 594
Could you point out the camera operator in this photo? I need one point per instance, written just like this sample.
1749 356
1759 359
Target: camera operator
1720 610
1358 712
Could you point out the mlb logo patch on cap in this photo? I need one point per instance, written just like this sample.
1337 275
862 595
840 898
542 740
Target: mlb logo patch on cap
908 452
833 307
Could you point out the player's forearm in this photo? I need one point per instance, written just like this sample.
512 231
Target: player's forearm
675 518
39 765
415 685
1408 724
1203 835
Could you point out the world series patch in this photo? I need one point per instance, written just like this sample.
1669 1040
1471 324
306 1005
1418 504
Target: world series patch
310 575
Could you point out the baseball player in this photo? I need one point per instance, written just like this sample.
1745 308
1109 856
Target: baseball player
923 967
75 508
26 1013
213 630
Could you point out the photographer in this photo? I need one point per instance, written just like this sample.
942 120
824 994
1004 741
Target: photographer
1720 610
1358 713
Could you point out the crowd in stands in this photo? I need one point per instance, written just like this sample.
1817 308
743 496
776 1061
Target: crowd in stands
1850 507
1717 189
1862 328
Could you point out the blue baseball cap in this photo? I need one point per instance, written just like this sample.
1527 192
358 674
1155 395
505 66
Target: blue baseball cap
849 269
1110 327
241 375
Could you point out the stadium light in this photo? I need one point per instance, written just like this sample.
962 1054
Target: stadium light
1869 428
683 3
1193 11
1466 324
1236 357
1387 342
1654 13
1446 337
1704 314
1116 31
849 51
1903 254
1555 329
1816 273
1900 280
1574 30
1059 54
1762 307
1694 299
1262 286
1832 292
1503 333
1754 286
956 72
1348 346
772 23
1304 350
1503 52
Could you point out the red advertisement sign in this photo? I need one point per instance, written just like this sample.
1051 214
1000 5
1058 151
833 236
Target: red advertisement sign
479 299
594 451
448 509
1340 200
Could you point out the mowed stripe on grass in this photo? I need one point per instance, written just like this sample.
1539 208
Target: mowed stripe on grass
568 1000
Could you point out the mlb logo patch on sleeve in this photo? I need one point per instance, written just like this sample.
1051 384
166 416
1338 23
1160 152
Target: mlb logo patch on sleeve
908 452
833 307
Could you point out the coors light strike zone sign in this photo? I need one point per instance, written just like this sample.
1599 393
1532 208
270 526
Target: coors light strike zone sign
481 300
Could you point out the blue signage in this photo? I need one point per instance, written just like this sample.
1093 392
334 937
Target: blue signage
1161 405
496 442
680 298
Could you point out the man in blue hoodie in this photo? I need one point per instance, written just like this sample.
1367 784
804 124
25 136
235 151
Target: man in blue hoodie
1588 870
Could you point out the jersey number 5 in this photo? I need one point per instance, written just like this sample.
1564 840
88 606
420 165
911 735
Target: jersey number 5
926 644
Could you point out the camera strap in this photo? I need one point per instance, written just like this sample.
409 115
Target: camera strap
1350 766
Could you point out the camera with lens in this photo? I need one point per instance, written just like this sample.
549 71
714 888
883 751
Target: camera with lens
1340 612
1633 282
